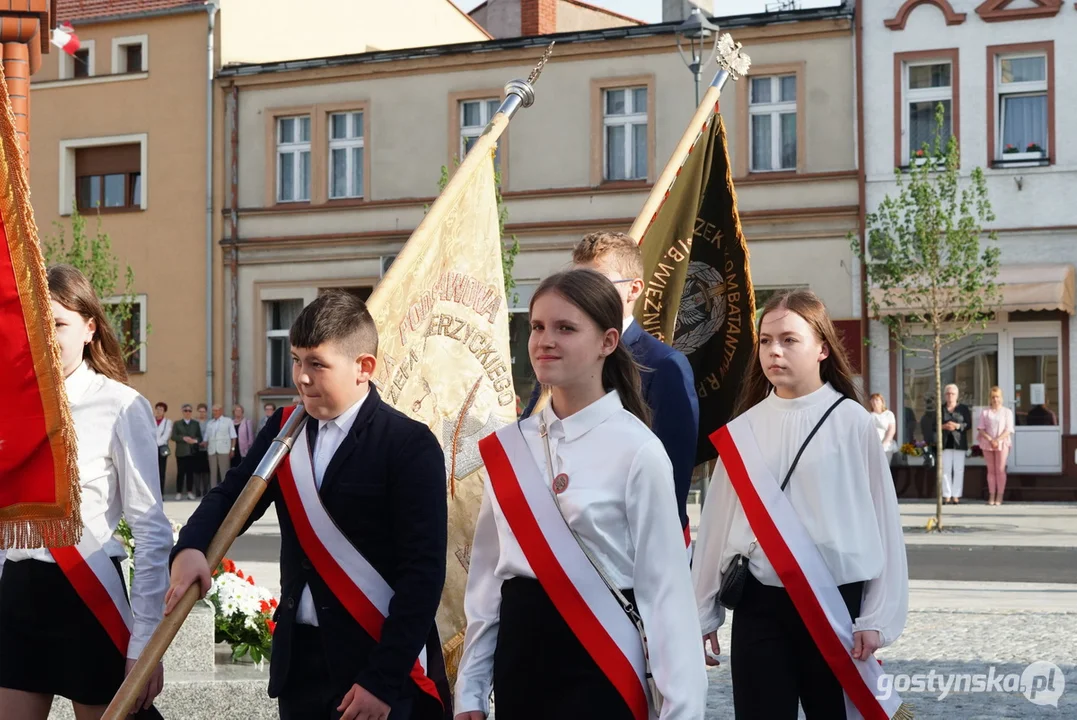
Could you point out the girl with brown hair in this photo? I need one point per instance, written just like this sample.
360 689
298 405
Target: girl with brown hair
802 513
46 598
578 539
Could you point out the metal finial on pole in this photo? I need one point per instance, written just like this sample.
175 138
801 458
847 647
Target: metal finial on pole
521 93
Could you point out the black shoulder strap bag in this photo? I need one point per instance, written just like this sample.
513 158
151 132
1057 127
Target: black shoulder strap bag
729 594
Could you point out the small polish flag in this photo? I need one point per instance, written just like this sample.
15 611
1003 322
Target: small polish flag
64 37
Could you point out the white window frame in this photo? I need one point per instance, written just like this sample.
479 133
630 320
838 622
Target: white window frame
119 56
140 300
293 148
275 334
628 120
67 165
1017 89
775 109
474 131
67 63
347 144
933 95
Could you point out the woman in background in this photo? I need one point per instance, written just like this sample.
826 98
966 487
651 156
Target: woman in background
885 423
994 433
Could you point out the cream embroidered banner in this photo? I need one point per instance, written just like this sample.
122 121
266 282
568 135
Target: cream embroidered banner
444 359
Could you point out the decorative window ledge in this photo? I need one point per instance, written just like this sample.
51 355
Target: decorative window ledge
1021 159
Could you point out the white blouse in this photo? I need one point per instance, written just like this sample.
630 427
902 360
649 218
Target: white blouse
842 491
164 432
620 500
883 421
117 459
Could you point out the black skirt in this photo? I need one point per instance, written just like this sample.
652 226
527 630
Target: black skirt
541 670
50 642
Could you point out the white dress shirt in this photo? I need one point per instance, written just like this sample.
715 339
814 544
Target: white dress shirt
164 432
330 435
842 492
117 460
219 434
621 502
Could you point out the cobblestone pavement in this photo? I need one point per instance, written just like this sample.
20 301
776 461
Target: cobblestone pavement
961 642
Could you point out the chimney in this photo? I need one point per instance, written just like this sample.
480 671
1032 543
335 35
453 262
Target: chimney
538 17
679 10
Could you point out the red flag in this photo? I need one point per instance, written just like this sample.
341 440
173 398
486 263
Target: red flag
39 479
64 37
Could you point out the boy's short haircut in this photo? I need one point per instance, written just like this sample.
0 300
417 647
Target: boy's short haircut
619 251
338 317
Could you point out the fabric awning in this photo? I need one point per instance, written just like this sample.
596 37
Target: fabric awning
1023 287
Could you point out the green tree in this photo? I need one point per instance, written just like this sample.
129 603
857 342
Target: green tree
92 254
510 247
927 268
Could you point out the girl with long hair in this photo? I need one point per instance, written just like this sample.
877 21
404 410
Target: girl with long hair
578 550
798 460
42 607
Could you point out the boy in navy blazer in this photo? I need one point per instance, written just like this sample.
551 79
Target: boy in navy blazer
381 479
667 382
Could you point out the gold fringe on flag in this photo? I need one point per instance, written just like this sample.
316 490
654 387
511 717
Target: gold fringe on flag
43 524
904 712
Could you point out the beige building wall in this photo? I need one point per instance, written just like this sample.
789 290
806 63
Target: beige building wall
796 223
255 31
164 109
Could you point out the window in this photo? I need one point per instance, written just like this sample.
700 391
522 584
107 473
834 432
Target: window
625 141
772 108
970 363
129 54
346 148
293 159
109 178
81 63
926 85
280 314
1021 102
128 317
475 115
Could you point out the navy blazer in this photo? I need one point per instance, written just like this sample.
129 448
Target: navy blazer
385 490
670 392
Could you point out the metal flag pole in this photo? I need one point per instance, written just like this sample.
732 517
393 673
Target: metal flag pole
518 93
732 63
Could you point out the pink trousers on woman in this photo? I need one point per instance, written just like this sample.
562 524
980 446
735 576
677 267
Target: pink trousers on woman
996 471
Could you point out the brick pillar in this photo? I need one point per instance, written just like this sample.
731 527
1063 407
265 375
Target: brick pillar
538 17
17 73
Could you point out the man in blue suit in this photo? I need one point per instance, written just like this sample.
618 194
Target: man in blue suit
668 385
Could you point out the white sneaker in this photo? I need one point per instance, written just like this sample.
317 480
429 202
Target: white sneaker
179 496
190 496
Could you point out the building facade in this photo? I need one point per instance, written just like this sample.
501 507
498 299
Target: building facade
332 161
121 130
999 72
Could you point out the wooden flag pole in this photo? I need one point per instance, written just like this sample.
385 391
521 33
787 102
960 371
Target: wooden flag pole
731 63
518 93
162 637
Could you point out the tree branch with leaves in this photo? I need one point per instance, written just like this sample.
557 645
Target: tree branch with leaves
929 273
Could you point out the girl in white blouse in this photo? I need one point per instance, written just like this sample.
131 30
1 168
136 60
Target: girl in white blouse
50 641
842 493
617 494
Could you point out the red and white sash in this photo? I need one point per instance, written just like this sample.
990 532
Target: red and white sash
92 573
353 580
802 570
575 587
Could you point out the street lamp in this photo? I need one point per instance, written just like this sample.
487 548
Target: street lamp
695 32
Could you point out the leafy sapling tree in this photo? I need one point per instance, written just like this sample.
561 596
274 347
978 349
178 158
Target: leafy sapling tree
92 254
927 267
